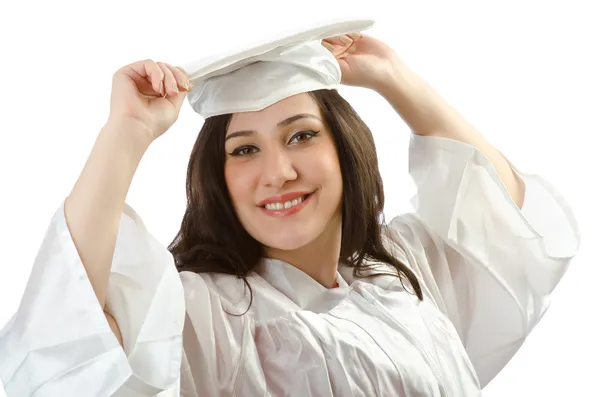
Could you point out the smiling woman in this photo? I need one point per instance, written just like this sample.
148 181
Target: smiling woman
283 279
298 160
246 168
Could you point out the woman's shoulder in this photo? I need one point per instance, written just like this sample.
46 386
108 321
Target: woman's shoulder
232 292
224 285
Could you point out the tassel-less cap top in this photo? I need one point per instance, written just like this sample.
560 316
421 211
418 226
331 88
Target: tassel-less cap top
258 76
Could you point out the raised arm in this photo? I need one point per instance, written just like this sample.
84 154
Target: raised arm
370 63
97 256
428 114
93 209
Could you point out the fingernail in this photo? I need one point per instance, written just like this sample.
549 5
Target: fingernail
161 88
345 39
174 85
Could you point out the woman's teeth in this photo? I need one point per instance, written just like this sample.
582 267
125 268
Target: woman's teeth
286 205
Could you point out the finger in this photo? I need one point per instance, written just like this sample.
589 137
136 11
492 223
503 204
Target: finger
147 89
330 40
342 40
327 45
355 35
170 82
177 100
180 76
336 49
146 71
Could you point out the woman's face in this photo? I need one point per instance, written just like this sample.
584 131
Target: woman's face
283 173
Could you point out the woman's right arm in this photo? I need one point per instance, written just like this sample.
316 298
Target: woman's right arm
97 255
94 207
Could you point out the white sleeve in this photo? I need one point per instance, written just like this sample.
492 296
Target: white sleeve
487 264
59 343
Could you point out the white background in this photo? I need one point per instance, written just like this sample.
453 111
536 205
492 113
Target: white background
524 72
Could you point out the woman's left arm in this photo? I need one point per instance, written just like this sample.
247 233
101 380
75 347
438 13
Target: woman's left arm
428 114
368 62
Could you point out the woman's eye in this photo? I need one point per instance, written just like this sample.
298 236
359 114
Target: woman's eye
303 136
243 151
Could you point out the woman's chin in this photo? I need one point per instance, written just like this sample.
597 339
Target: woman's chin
285 243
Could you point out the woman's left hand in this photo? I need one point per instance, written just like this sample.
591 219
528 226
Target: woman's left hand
364 61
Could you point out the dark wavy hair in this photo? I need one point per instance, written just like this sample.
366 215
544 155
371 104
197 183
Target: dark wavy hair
212 239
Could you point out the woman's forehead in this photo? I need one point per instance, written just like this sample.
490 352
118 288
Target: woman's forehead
273 115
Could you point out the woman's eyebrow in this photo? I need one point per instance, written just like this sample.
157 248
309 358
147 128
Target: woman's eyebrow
291 119
282 123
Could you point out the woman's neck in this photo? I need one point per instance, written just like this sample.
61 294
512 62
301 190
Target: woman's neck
319 258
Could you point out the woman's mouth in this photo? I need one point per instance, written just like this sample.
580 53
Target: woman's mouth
285 208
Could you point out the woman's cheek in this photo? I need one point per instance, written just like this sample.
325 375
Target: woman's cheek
240 178
233 179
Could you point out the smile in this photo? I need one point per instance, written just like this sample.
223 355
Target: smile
285 205
288 207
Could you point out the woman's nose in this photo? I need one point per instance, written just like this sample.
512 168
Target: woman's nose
278 168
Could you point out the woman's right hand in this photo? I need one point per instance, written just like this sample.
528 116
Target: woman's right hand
149 93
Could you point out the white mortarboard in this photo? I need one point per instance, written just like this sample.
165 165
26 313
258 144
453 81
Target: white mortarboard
257 76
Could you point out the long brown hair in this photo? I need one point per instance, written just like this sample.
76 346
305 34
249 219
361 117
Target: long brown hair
212 239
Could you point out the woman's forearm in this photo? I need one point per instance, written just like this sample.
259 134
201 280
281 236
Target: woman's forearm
428 114
93 208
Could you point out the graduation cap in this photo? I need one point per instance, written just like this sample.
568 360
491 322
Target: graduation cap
257 76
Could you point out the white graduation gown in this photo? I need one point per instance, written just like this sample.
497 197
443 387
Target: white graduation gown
487 269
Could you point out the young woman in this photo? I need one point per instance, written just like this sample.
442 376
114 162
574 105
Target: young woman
283 279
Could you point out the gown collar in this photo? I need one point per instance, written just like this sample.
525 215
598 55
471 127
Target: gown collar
299 287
